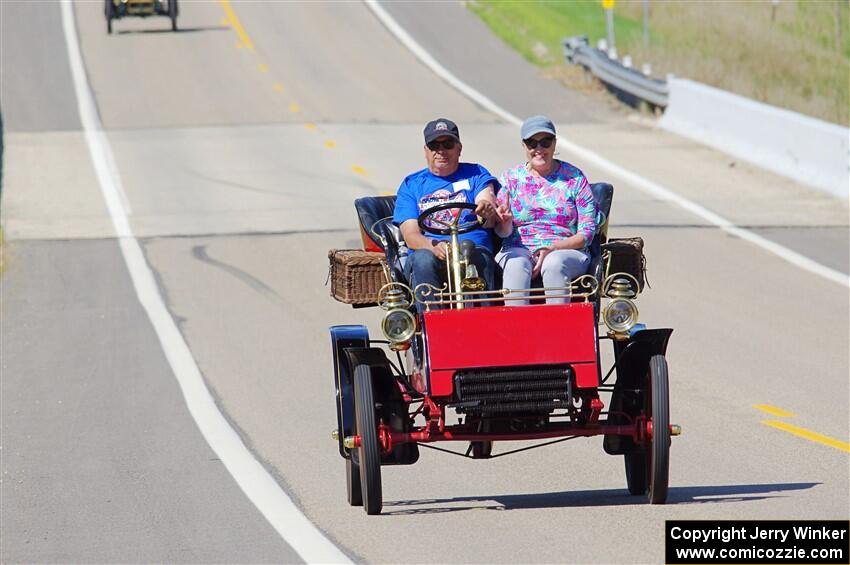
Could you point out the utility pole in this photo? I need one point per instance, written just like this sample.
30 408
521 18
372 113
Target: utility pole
646 23
608 5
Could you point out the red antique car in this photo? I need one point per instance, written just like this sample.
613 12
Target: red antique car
466 367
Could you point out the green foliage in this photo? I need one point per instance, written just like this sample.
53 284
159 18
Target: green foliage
528 25
794 54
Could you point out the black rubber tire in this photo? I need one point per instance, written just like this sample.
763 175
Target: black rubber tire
352 483
172 13
109 12
369 453
636 473
481 449
658 452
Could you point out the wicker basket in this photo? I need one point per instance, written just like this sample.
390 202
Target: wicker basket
356 276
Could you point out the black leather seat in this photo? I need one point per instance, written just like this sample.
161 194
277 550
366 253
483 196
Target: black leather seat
370 210
603 194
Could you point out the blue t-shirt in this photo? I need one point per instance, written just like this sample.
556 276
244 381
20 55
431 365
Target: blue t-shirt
423 190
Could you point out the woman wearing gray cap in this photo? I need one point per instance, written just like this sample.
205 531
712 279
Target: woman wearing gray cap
548 216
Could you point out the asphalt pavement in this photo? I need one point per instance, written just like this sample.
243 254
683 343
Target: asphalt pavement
240 144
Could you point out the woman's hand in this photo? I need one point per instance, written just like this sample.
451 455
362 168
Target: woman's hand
506 220
539 254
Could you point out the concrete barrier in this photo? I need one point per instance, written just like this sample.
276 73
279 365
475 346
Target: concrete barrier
810 151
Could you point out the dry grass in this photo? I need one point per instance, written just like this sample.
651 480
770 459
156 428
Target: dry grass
795 54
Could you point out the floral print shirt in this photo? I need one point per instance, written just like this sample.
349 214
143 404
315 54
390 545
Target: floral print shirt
547 209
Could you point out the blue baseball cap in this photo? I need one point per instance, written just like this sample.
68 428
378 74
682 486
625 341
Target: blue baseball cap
536 124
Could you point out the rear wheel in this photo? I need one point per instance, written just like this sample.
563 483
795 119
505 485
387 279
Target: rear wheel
369 453
172 13
481 449
658 449
636 473
109 12
352 482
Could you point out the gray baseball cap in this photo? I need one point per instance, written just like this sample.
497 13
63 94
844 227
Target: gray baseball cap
536 124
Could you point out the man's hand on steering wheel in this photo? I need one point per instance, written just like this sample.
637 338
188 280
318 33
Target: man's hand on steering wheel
487 210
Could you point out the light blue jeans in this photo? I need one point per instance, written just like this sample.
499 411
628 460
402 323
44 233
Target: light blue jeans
560 267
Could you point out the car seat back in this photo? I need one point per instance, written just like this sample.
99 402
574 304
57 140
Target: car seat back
603 194
382 236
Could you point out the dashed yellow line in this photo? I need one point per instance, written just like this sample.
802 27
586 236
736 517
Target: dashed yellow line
808 434
236 25
774 411
387 193
245 42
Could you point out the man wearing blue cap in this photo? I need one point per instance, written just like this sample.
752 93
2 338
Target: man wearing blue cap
445 179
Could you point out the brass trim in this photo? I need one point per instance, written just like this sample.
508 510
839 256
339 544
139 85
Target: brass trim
618 280
394 295
380 238
584 287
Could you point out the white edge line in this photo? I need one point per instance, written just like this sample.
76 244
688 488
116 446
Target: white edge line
644 185
283 515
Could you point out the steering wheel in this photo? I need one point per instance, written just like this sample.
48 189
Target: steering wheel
455 224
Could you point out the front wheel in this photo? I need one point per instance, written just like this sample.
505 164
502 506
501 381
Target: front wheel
658 450
369 452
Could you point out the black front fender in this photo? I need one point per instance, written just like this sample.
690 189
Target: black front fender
632 366
342 338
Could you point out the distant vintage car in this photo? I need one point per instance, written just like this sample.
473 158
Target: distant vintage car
117 9
478 371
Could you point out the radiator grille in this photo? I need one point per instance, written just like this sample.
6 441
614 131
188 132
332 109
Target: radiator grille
501 391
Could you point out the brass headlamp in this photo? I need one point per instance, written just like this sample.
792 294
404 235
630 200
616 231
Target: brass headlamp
398 324
621 313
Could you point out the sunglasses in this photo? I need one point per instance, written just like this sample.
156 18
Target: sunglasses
545 142
447 144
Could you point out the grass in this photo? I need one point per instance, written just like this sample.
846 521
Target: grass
795 54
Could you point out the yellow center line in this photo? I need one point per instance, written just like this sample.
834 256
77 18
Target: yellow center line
808 434
387 193
245 41
236 25
774 411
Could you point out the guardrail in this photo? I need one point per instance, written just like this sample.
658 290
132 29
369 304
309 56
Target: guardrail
578 51
802 148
